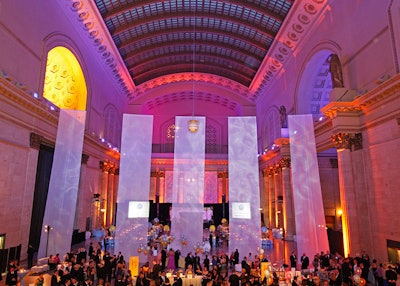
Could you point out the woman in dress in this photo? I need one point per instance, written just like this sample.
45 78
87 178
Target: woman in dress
171 260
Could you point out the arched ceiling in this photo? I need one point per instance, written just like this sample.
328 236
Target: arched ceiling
240 46
223 38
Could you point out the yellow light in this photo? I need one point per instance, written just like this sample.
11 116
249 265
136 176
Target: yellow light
65 84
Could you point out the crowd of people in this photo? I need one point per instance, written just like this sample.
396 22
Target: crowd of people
98 267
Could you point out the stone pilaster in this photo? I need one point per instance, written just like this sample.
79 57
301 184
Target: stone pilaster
278 196
288 207
345 144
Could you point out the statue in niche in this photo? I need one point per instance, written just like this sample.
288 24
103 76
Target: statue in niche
283 116
335 68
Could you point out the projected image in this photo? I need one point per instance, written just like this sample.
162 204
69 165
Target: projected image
138 209
241 210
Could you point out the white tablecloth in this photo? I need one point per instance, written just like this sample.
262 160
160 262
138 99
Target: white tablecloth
195 281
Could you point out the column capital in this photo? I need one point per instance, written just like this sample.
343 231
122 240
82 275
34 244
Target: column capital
158 174
350 141
223 175
285 162
108 167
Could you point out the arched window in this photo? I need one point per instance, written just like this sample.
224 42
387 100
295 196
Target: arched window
112 125
64 84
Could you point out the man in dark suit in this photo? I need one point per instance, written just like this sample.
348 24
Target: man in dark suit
178 281
163 258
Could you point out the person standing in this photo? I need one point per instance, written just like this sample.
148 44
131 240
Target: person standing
30 252
12 276
293 260
391 276
305 261
163 258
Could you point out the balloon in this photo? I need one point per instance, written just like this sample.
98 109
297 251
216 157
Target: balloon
212 228
362 281
139 250
224 220
264 229
261 251
166 228
357 278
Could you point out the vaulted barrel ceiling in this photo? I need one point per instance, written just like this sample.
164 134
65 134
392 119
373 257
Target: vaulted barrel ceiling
224 38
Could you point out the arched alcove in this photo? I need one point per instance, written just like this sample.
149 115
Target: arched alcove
315 85
64 83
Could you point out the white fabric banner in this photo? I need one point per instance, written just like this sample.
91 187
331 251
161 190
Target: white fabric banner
244 187
134 185
60 209
188 185
311 234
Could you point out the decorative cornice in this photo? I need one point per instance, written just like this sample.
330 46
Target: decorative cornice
109 168
390 87
190 77
87 16
158 174
35 140
331 109
302 17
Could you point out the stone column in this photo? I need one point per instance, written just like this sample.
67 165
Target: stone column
344 143
110 195
162 187
102 204
278 196
115 195
271 198
83 200
264 197
288 211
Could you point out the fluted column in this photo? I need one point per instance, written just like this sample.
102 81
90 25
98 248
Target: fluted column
344 143
264 197
102 204
162 187
288 211
278 196
271 198
115 195
82 201
223 190
110 196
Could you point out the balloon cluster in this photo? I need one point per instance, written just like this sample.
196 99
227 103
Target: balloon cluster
143 248
183 240
165 240
198 248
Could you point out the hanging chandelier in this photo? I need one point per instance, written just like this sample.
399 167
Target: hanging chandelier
193 124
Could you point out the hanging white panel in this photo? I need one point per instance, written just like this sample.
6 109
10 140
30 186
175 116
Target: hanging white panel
134 185
188 185
311 234
244 187
60 209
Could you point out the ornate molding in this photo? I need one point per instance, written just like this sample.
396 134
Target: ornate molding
35 140
303 16
86 15
110 168
350 141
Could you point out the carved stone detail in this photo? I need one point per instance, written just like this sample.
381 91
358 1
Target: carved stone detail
35 140
351 141
223 175
285 162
